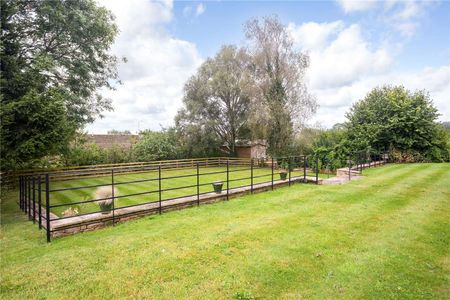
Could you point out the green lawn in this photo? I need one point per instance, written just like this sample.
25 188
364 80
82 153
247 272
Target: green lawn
236 176
385 236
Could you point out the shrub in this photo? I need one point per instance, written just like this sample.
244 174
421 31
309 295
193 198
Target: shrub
105 193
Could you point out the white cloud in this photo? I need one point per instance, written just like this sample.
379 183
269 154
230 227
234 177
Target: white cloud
350 6
200 9
345 67
339 55
157 68
314 35
401 15
189 11
336 101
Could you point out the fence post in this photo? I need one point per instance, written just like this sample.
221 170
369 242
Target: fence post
25 194
29 198
159 187
34 199
304 168
47 206
251 175
113 198
39 202
228 179
317 170
349 167
359 165
198 186
272 172
289 169
20 192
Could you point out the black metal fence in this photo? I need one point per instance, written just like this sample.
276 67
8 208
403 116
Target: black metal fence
35 191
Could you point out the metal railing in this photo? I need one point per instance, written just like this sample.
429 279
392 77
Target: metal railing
35 191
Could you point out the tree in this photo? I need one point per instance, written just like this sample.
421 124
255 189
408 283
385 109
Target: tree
53 51
392 117
281 102
195 140
217 97
155 145
40 125
118 132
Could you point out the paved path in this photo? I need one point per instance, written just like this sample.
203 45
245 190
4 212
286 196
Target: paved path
355 173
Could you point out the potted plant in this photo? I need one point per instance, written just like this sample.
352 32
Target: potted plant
283 173
218 187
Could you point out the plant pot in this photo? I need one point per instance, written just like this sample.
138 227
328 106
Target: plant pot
105 206
218 187
283 175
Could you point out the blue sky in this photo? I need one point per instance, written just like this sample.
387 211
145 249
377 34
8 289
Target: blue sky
222 23
354 46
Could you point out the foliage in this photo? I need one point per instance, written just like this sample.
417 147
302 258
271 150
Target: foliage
392 117
85 152
217 97
115 131
303 141
195 140
33 126
57 50
281 102
155 145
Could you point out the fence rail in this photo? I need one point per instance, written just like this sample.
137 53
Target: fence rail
36 191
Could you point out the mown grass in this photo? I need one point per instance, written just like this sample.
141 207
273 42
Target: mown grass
385 236
174 187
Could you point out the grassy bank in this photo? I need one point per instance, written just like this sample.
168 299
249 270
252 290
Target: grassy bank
385 236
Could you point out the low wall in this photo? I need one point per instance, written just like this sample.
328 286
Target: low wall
68 226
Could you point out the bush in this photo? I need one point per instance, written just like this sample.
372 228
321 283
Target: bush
156 145
105 193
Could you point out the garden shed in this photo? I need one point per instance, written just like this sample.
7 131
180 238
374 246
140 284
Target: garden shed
251 149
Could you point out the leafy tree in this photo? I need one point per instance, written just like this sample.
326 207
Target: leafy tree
54 54
156 145
446 125
118 132
393 117
281 102
196 140
217 97
33 127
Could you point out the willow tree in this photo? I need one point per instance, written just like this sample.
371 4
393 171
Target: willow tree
281 102
217 97
54 59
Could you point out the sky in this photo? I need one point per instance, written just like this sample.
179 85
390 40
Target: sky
354 46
